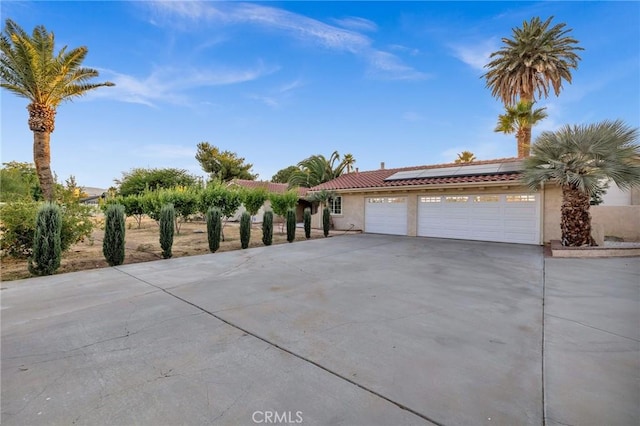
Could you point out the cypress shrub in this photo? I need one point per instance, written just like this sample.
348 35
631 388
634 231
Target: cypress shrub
267 228
245 229
307 223
167 217
47 242
114 230
326 221
214 228
291 225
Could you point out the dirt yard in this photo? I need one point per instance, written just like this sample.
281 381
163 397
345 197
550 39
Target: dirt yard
143 245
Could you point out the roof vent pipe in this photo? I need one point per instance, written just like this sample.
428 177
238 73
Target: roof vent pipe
382 165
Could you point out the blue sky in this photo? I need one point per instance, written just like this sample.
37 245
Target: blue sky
276 82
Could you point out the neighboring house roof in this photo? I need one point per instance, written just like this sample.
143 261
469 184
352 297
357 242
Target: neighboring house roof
460 174
278 188
92 191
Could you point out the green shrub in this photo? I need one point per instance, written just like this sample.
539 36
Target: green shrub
280 203
114 232
18 225
291 225
267 228
167 217
133 207
253 199
47 248
214 227
326 221
245 229
307 222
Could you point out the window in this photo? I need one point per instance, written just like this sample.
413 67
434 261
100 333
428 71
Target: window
521 198
396 200
375 200
456 199
335 205
486 199
430 199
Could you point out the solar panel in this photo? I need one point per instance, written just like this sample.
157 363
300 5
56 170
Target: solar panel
470 170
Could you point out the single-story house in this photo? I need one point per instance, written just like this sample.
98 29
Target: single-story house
482 200
271 187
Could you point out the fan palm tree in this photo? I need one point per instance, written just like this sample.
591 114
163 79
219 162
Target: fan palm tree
537 59
465 157
30 69
317 169
348 161
519 119
579 158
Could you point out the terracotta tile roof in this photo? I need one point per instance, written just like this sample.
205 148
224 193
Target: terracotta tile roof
376 178
272 187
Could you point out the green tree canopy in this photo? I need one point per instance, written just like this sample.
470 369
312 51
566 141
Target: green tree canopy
283 175
136 181
318 169
223 165
30 69
19 181
579 159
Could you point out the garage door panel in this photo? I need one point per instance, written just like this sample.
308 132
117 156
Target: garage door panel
494 217
386 215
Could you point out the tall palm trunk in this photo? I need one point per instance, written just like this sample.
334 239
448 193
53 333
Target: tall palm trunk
42 123
524 140
575 218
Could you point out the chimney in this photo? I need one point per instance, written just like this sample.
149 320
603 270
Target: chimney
357 169
382 165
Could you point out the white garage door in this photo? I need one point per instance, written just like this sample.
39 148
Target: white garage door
510 218
386 215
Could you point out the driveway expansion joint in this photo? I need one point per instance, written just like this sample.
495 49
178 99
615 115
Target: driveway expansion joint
296 355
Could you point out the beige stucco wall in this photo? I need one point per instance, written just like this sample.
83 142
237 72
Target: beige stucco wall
617 221
552 201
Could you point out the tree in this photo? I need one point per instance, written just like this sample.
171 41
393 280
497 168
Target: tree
223 165
579 159
281 203
30 69
519 119
138 180
465 157
348 161
19 181
254 198
534 61
283 175
317 169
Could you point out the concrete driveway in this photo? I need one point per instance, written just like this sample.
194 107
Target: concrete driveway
349 330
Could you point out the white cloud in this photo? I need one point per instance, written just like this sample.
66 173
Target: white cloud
167 85
277 96
382 64
357 24
476 53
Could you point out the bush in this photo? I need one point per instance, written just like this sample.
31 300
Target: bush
18 225
307 223
245 229
267 228
167 217
214 227
114 232
291 225
326 221
47 250
281 203
253 199
133 207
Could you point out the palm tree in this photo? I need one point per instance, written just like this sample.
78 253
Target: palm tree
30 69
579 158
537 59
317 169
519 119
465 157
348 160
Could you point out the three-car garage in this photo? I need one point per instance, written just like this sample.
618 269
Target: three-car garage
508 217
